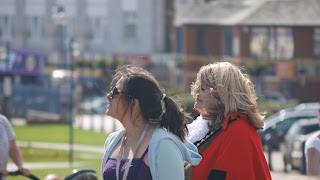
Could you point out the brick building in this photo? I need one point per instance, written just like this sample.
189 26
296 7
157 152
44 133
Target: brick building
283 34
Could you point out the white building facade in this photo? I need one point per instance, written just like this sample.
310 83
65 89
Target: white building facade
101 28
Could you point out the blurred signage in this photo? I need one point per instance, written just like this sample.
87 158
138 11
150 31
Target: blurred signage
22 62
285 70
136 59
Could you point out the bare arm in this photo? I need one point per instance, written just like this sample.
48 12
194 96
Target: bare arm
313 158
17 157
3 172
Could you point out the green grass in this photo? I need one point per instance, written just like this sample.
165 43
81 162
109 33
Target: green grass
81 160
53 155
58 134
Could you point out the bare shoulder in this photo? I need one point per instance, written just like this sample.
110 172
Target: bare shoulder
313 151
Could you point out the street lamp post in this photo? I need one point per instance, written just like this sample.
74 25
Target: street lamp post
60 18
71 49
7 84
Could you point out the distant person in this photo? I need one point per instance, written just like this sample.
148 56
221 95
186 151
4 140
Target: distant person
225 131
269 139
8 147
153 143
312 153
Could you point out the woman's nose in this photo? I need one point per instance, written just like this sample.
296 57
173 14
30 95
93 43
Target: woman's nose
109 95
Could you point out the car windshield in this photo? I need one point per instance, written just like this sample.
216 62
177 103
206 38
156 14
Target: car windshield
310 128
286 115
285 123
293 130
279 113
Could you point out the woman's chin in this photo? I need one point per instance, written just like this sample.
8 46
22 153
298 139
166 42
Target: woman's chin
196 106
108 113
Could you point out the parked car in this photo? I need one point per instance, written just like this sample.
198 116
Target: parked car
297 130
277 126
298 159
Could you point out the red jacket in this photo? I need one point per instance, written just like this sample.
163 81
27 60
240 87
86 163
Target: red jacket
236 153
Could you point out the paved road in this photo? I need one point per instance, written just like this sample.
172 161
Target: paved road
279 174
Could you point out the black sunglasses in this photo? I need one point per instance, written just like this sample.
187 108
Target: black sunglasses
116 91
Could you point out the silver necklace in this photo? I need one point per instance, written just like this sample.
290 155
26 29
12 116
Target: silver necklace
125 175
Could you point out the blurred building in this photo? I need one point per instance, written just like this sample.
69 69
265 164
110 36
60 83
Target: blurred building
36 38
100 27
284 35
134 31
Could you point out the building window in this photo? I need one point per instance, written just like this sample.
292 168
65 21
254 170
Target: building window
129 25
272 43
201 41
179 42
284 43
35 28
316 47
5 27
129 31
98 29
129 9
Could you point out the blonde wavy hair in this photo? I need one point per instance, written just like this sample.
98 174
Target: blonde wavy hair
233 87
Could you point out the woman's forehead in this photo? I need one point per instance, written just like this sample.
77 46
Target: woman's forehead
204 83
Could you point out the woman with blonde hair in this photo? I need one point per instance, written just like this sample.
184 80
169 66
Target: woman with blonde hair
225 132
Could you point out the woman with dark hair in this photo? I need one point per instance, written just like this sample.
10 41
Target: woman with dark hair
226 130
153 143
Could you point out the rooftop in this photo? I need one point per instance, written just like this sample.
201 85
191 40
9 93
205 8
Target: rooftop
262 12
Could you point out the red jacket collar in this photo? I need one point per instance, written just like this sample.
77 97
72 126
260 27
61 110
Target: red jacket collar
233 117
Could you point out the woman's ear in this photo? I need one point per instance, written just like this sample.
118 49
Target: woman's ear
136 104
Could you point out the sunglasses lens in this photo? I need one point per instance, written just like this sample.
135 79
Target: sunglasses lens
114 91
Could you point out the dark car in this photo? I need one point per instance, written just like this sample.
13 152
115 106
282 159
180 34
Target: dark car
277 126
297 130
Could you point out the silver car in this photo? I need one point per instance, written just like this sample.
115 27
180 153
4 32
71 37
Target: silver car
291 143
